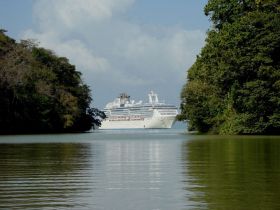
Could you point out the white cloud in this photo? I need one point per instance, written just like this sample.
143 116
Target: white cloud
74 49
112 52
71 13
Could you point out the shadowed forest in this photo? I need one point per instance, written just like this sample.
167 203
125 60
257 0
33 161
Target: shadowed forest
41 92
234 85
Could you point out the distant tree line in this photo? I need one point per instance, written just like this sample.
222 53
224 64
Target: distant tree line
234 85
41 92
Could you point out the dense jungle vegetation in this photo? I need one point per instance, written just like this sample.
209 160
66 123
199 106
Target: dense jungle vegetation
41 92
234 85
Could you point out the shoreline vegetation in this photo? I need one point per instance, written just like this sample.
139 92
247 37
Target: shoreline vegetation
41 92
234 85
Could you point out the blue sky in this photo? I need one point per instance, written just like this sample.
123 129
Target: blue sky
131 46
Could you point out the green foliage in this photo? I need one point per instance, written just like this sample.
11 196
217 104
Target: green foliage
233 87
41 92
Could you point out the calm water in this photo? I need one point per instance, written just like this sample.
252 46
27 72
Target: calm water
139 170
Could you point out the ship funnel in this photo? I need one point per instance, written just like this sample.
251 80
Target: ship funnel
153 98
124 98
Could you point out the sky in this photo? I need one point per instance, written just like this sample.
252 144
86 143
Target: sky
131 46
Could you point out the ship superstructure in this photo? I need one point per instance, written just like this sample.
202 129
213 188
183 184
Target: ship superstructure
124 113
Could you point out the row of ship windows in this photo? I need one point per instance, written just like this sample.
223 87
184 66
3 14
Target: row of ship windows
127 110
144 111
113 114
140 113
127 118
148 108
168 114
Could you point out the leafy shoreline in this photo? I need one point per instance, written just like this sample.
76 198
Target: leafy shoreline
234 85
41 92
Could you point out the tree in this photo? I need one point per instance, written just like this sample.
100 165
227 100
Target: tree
41 92
233 87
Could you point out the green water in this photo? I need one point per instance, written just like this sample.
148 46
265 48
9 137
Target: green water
139 169
233 172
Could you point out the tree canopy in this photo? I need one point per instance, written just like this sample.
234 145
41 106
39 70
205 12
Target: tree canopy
41 92
234 85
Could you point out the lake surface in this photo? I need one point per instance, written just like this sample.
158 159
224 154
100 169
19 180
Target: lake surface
139 170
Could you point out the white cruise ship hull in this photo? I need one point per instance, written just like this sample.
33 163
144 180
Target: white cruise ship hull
146 123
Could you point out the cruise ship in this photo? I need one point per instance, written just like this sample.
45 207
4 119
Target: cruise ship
124 113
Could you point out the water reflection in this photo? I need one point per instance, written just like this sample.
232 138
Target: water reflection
139 170
34 176
233 172
116 171
138 174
